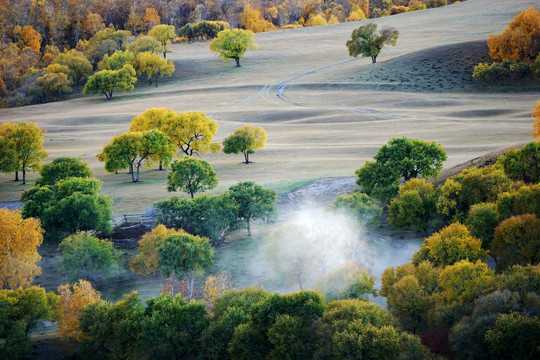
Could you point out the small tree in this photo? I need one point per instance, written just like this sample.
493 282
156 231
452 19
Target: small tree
482 221
107 81
79 68
63 168
164 34
245 140
89 258
415 205
192 176
233 44
523 164
254 201
364 41
184 255
151 65
360 205
19 240
144 43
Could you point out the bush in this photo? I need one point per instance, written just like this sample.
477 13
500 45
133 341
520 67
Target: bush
89 258
415 205
522 164
505 71
360 205
394 10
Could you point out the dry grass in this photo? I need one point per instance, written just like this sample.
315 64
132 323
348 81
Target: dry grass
335 111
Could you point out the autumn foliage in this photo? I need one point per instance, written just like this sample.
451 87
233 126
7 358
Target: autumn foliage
19 240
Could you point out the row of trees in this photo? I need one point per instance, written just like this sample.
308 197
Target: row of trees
158 134
516 51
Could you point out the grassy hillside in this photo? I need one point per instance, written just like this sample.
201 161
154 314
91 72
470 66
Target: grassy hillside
325 113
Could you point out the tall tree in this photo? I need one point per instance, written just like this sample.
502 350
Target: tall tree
254 201
164 34
151 65
233 44
245 140
364 41
192 176
19 241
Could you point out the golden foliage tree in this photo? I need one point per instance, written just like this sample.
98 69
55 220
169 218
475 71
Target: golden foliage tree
521 41
73 300
147 261
31 38
19 240
253 20
151 18
215 286
536 126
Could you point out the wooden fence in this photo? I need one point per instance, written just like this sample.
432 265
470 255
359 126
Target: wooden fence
142 219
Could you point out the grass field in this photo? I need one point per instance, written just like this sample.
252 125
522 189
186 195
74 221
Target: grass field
325 113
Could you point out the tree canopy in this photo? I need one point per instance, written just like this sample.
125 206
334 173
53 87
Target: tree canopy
364 41
153 66
62 168
107 81
164 34
245 140
254 201
233 44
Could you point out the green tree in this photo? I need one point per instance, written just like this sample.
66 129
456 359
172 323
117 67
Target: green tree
516 241
400 159
144 43
26 140
364 41
87 257
245 140
525 200
107 81
49 86
151 65
450 245
233 44
361 205
414 206
482 221
464 281
346 282
522 164
254 201
192 176
116 61
131 150
63 168
79 68
164 34
8 155
184 255
515 336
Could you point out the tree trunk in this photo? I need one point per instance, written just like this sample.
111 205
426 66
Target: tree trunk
138 167
17 175
248 227
132 173
23 176
160 165
237 61
156 80
246 157
374 59
165 53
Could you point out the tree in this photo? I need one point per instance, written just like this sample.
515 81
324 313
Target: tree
144 43
254 201
192 176
360 205
8 155
522 164
516 241
184 255
19 241
521 41
191 132
233 44
74 299
246 140
364 41
147 261
107 81
151 65
415 205
346 282
525 200
482 221
151 18
49 87
116 61
215 286
536 126
77 63
131 149
401 158
62 168
464 281
26 140
450 245
164 34
89 258
515 336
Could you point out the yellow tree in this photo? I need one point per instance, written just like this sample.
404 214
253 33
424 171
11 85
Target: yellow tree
19 240
215 286
151 18
536 126
190 132
164 34
253 20
521 41
233 44
73 300
245 140
31 38
147 261
92 24
153 66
